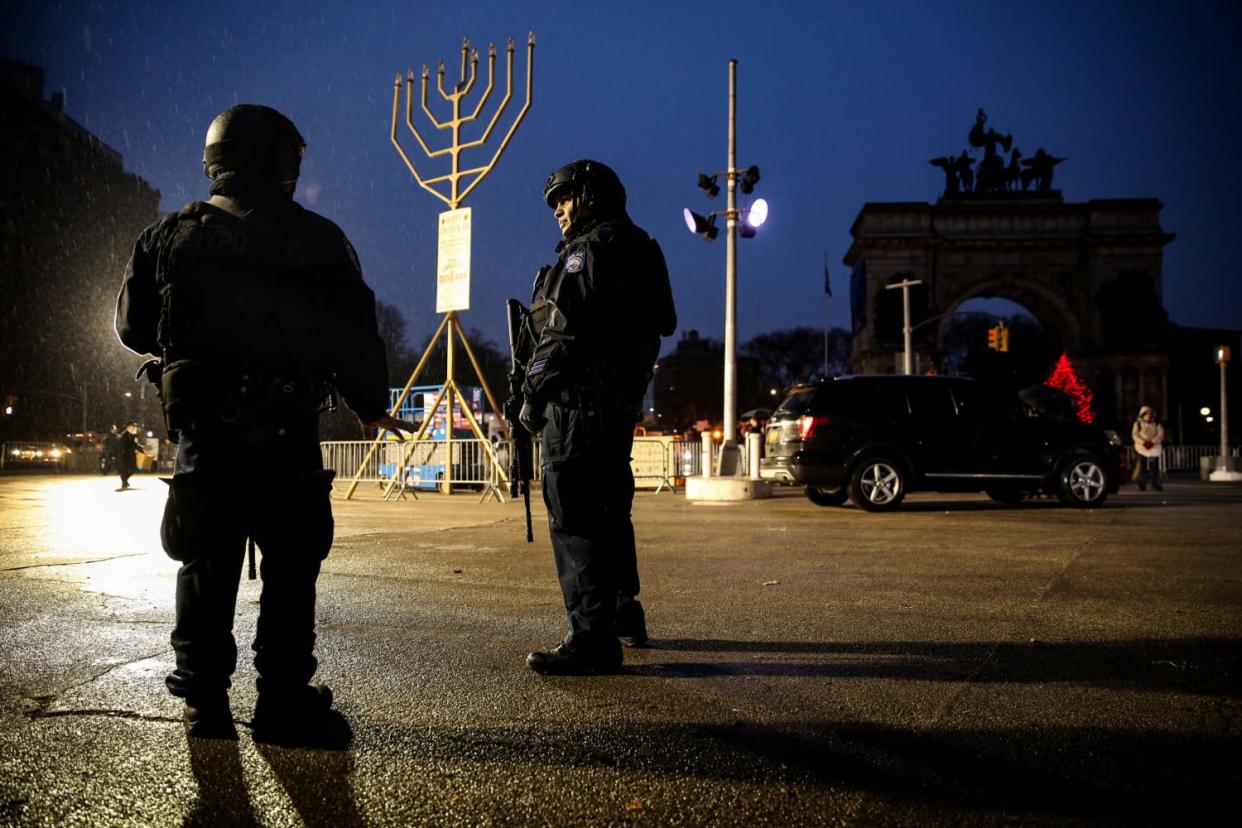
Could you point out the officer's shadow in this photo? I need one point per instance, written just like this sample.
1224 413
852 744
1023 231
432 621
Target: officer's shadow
319 784
222 796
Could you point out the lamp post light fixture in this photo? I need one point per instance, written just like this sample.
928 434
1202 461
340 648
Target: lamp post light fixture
704 226
708 185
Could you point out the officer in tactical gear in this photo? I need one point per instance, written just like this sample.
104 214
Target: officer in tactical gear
594 331
258 312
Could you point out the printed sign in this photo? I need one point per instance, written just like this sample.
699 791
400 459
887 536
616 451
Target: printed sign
453 261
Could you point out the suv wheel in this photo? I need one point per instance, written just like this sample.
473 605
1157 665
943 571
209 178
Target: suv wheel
877 485
1084 483
826 497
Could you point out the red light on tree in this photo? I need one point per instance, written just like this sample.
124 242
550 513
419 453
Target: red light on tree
1064 379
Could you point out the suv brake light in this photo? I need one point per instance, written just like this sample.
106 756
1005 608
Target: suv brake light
808 423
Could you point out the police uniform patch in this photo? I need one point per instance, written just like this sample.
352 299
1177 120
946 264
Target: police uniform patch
575 261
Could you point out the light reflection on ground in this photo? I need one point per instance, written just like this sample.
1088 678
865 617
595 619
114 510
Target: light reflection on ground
48 521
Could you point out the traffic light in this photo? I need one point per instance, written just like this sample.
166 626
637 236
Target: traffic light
998 338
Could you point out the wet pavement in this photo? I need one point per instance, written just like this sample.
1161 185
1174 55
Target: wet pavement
956 662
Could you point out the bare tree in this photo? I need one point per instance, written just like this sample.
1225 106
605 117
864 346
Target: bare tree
796 355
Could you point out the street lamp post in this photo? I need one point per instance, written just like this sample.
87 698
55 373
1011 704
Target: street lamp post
739 221
729 450
1225 468
907 331
1224 407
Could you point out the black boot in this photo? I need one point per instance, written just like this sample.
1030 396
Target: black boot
209 717
575 656
632 624
301 718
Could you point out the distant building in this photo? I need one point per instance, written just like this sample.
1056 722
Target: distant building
69 214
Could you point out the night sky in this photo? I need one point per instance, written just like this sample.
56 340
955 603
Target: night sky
838 105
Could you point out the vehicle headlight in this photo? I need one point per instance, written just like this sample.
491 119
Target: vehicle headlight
1114 439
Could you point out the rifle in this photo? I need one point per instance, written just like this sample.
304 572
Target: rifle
521 457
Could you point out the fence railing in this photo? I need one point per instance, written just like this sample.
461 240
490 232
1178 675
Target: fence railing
1184 458
660 463
425 467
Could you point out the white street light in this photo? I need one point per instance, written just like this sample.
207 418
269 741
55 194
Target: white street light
758 213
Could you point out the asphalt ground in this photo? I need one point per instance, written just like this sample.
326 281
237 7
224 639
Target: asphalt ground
957 662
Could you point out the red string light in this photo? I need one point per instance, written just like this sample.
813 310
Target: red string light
1064 379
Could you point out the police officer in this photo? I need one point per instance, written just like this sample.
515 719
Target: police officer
258 310
597 316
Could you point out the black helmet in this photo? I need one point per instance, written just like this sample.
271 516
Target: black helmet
595 183
255 141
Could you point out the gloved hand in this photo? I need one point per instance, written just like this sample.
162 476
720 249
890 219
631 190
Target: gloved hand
532 418
512 408
1147 444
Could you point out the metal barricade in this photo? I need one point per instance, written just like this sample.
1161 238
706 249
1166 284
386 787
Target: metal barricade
1189 457
345 457
424 468
649 462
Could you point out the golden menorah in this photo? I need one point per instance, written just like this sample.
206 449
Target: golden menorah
455 178
460 91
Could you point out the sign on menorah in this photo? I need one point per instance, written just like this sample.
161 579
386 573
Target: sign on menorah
453 252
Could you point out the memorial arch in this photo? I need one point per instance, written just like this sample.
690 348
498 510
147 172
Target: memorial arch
1090 273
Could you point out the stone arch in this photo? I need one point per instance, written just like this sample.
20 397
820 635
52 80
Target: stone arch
1046 304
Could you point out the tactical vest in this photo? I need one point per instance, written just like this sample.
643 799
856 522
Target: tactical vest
246 318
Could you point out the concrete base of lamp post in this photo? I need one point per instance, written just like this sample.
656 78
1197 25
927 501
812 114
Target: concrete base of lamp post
1227 469
726 488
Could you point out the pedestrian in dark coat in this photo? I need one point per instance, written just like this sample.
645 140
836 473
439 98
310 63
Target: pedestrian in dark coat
126 454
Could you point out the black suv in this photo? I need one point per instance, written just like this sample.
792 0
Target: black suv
874 438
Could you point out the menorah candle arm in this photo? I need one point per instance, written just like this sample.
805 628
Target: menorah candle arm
530 68
409 114
396 98
504 103
474 74
440 82
491 74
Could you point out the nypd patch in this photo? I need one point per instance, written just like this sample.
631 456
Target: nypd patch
575 261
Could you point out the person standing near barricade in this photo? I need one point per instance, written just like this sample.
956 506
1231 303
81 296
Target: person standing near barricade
1148 436
259 312
595 324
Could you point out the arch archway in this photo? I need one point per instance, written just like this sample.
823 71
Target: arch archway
1057 316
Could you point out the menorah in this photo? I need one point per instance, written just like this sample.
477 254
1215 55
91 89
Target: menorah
455 179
